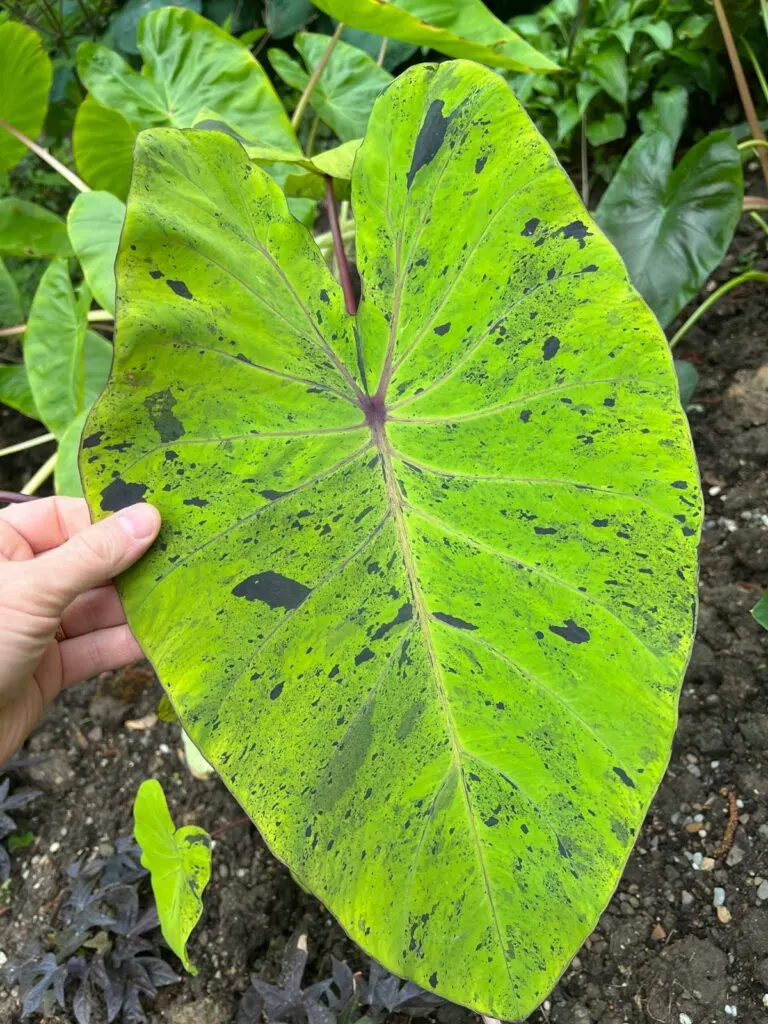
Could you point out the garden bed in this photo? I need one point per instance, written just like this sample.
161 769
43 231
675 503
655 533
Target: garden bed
662 949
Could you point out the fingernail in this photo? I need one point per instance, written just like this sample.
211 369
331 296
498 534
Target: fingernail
138 521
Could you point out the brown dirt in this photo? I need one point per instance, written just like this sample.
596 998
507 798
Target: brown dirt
660 951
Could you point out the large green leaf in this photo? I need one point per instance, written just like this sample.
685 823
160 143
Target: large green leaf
673 227
466 29
11 309
179 864
66 474
123 29
66 363
27 229
284 17
189 64
94 223
102 141
25 80
350 82
15 390
425 587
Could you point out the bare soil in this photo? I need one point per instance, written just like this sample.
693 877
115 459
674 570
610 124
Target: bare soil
661 950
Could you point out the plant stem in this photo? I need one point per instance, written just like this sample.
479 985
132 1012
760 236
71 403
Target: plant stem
741 84
749 275
326 239
14 497
756 66
96 316
752 144
36 482
65 172
22 446
382 52
759 220
338 247
312 134
314 78
754 203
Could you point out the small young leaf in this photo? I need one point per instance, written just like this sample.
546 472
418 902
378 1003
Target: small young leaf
760 611
673 227
345 93
179 863
26 74
609 67
29 230
67 364
466 29
94 223
606 129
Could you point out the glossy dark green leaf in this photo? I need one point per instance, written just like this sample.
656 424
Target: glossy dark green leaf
284 17
673 227
760 611
25 81
606 129
425 587
609 68
466 29
94 223
345 93
102 141
396 52
29 230
687 380
67 364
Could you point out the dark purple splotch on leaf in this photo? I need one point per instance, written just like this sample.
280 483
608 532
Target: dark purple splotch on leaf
273 589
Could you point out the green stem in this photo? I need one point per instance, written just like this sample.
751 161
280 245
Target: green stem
326 239
752 144
22 446
314 78
759 220
756 66
65 172
33 485
382 52
749 275
312 134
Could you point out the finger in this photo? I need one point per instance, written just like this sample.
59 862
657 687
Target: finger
87 655
49 522
96 609
91 558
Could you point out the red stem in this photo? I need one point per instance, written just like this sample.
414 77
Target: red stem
338 247
14 498
228 825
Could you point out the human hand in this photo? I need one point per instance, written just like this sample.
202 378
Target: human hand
61 620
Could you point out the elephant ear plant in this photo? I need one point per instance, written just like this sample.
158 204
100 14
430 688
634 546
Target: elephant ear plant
425 588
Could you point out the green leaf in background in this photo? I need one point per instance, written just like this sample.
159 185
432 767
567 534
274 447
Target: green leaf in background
344 500
344 95
673 227
284 17
15 390
606 129
687 380
760 611
179 865
94 223
11 309
189 64
466 29
395 51
26 74
609 67
66 473
67 364
102 141
123 28
667 113
29 230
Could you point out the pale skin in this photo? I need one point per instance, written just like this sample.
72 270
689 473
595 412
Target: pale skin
61 620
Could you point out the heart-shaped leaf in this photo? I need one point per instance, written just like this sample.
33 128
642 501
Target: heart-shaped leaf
673 227
29 230
425 587
102 141
26 74
345 92
179 864
466 29
66 363
94 223
189 64
123 29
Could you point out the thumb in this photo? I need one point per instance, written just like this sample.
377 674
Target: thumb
93 556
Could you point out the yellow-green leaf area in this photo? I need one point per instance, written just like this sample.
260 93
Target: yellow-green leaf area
425 587
26 74
179 865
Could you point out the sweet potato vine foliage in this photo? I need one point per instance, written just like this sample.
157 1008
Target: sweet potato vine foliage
425 589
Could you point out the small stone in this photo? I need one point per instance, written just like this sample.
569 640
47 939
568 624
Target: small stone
723 915
762 890
54 847
658 933
105 849
735 856
765 1000
718 896
707 863
4 959
698 857
686 898
685 1019
731 1011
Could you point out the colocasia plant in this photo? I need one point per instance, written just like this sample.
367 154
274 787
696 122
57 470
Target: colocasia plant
426 585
